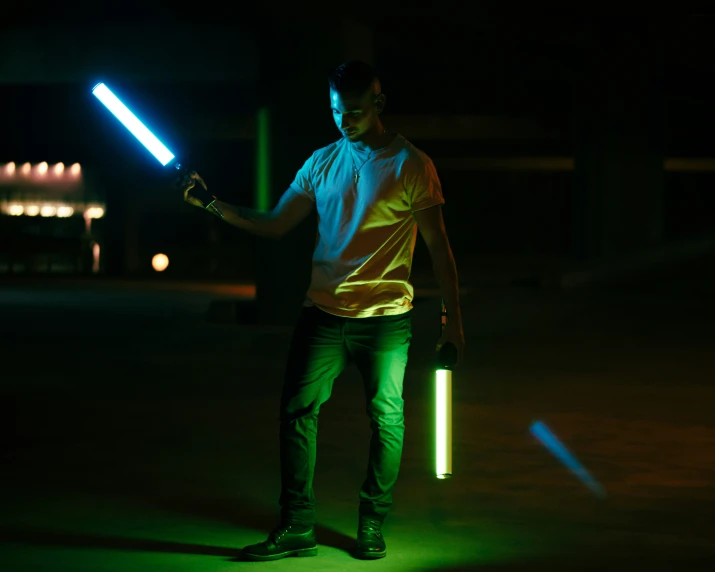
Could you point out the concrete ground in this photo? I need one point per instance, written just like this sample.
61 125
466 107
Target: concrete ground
138 435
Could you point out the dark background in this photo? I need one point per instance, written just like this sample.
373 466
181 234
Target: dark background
138 410
615 96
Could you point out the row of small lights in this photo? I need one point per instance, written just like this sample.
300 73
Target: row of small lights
42 169
61 211
46 210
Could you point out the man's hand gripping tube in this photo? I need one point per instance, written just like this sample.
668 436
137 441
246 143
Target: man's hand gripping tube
208 201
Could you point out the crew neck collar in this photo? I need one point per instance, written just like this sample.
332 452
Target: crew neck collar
374 151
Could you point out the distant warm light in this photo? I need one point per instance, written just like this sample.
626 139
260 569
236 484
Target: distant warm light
94 212
40 170
50 209
64 212
95 257
160 262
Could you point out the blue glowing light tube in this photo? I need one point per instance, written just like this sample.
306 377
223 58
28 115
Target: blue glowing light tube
130 121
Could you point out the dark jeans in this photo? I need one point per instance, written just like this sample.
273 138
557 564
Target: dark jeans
322 346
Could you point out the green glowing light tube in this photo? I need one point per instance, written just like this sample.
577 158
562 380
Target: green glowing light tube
446 358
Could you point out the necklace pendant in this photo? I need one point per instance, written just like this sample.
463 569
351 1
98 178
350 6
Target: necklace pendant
356 177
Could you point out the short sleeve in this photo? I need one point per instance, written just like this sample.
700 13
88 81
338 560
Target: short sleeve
423 188
303 182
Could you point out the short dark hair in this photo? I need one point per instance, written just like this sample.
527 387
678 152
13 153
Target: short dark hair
353 76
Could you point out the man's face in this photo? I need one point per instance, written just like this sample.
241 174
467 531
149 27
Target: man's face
354 114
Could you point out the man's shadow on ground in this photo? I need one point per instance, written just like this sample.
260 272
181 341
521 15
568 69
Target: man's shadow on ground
236 512
49 537
247 514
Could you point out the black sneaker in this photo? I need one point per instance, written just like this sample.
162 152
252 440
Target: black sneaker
286 540
370 544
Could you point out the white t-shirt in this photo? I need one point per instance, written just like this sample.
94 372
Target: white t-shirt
366 231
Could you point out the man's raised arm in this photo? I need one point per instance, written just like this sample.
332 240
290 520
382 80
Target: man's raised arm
287 214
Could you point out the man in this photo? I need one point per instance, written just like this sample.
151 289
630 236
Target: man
372 190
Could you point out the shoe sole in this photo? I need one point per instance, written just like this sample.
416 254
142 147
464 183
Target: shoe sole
300 553
371 555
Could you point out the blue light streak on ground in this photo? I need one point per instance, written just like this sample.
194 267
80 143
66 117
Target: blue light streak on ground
549 440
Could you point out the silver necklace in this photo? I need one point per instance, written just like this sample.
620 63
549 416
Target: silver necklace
356 170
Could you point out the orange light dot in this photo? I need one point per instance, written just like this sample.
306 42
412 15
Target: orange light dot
160 262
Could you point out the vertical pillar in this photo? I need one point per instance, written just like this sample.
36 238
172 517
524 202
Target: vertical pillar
262 198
